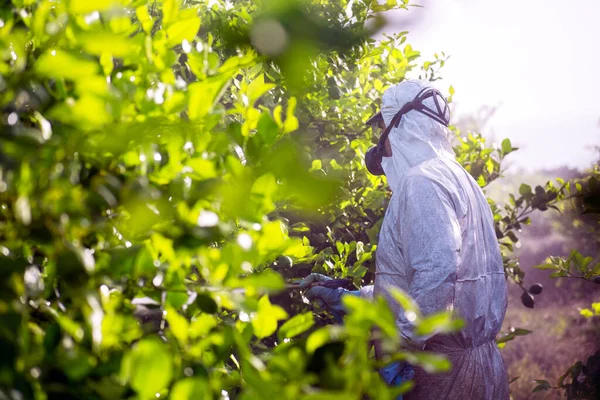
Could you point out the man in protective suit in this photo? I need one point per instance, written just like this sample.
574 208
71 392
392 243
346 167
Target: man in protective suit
438 244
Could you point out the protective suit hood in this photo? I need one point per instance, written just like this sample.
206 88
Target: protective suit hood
417 138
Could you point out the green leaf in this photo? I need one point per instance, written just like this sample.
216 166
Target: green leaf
176 299
405 301
203 169
205 94
268 280
489 165
265 320
438 323
99 43
521 332
106 61
586 261
506 146
77 363
60 64
170 10
291 122
541 386
69 326
201 325
316 165
182 30
295 326
324 335
587 313
339 247
148 367
144 18
503 338
190 389
257 88
88 6
263 191
177 324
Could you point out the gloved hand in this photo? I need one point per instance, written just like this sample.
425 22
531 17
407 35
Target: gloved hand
326 297
396 373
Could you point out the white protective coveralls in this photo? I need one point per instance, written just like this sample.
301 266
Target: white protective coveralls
438 244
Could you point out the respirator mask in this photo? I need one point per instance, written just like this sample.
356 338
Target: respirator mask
440 114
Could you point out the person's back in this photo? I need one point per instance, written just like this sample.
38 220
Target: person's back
479 298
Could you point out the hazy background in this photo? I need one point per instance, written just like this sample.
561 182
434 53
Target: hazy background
535 60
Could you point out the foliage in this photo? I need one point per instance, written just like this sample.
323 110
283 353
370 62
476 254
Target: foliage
156 161
593 312
178 161
574 266
584 380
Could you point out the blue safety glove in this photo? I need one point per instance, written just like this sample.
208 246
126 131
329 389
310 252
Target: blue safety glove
396 373
328 298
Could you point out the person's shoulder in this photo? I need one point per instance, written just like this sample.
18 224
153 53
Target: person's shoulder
423 178
414 187
418 181
439 172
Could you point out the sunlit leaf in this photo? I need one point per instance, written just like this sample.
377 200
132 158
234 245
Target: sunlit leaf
324 335
88 6
190 389
506 146
183 30
257 88
295 326
147 367
99 43
61 64
267 280
170 11
205 94
178 325
267 315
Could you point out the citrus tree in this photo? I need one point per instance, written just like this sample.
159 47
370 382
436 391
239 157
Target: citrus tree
169 166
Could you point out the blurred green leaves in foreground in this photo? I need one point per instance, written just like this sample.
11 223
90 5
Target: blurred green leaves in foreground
165 168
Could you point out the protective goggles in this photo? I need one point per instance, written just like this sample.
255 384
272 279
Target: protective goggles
441 114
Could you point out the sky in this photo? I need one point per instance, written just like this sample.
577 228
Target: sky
536 61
